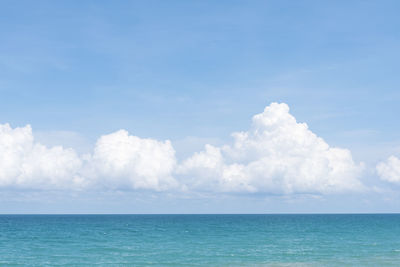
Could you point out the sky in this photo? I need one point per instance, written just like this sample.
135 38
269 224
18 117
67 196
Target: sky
199 106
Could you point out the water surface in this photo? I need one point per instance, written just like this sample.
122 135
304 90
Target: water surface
200 240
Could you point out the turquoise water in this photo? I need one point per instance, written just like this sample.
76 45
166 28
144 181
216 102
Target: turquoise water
199 240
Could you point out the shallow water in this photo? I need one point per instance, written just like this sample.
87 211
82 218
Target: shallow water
200 240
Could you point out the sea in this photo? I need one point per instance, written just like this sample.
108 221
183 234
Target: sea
200 240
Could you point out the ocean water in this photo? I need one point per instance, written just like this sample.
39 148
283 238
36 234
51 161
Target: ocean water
200 240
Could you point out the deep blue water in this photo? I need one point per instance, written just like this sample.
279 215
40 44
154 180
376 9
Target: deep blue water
200 240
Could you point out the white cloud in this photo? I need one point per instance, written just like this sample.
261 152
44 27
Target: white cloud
277 155
119 161
126 161
389 170
26 164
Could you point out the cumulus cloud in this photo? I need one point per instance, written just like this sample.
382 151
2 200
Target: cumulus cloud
276 155
389 170
26 164
119 161
123 160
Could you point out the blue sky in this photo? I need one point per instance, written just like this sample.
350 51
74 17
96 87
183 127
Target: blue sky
193 72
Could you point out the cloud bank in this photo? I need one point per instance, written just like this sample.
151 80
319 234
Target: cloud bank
276 155
389 170
119 161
